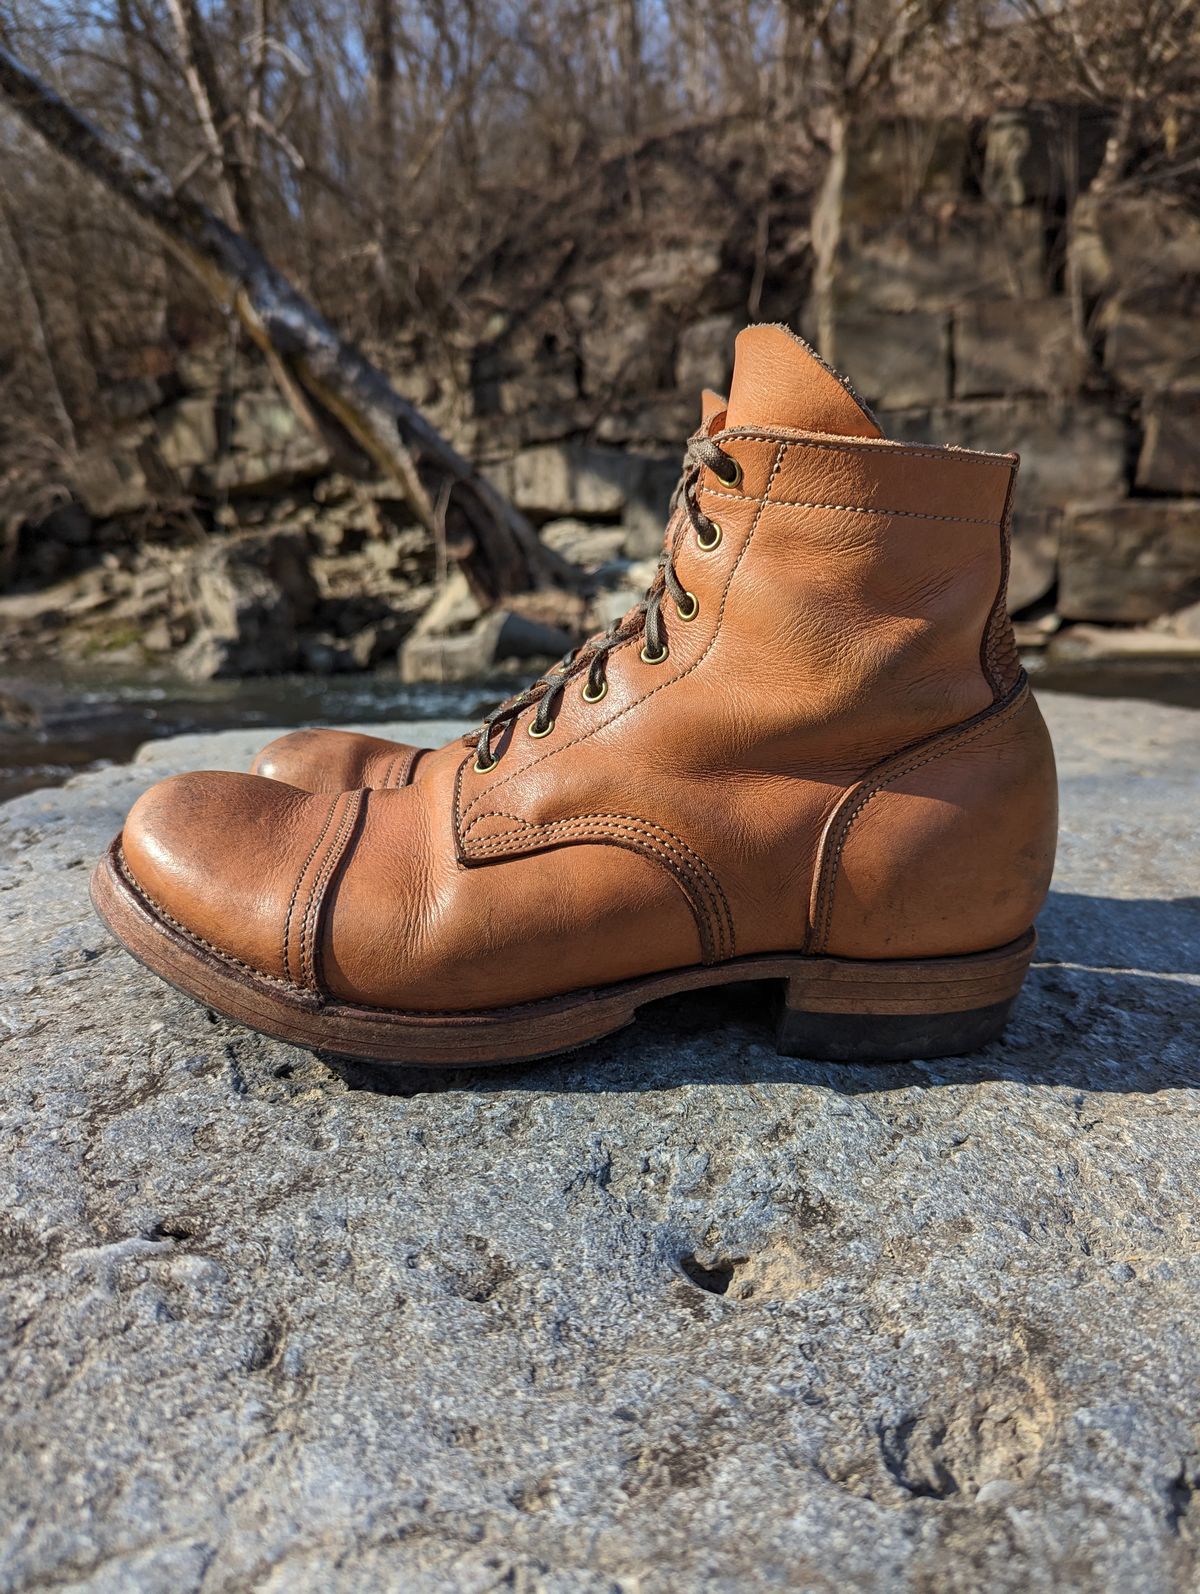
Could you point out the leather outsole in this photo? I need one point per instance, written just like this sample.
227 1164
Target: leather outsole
838 1009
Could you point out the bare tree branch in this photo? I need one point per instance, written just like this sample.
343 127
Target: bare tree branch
350 393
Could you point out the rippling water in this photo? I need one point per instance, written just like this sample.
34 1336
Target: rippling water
84 720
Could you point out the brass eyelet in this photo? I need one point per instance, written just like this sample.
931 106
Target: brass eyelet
655 658
716 537
588 697
730 481
485 769
692 610
535 733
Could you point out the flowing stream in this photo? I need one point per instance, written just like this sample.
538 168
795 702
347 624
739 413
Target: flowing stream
54 724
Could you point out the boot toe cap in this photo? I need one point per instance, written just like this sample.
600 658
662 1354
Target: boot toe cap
221 855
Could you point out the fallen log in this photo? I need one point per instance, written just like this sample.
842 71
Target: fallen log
329 381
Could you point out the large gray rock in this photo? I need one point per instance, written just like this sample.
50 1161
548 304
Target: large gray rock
1037 154
572 479
1011 348
1139 250
1129 561
1153 353
274 466
704 354
892 164
248 595
566 479
1033 562
1169 461
186 433
673 1313
110 477
898 360
941 259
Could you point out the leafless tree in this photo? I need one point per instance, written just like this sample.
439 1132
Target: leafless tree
425 170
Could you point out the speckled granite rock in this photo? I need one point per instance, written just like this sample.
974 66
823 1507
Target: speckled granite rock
673 1314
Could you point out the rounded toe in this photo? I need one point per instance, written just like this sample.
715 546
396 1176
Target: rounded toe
220 855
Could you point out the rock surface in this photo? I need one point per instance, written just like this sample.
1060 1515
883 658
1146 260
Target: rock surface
672 1313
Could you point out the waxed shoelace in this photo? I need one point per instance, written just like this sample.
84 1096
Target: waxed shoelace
646 619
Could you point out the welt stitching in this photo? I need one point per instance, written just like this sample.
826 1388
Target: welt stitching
312 912
296 991
388 768
209 946
287 923
885 779
580 825
553 752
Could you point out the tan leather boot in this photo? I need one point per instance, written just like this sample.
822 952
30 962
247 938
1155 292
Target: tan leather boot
320 759
810 756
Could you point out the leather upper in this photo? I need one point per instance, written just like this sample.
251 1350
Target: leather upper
333 761
846 651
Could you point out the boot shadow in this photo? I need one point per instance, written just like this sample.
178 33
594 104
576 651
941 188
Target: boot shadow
1108 1005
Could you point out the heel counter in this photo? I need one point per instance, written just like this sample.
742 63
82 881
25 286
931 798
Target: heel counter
946 848
998 656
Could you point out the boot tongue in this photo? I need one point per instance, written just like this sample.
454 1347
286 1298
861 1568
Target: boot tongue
778 381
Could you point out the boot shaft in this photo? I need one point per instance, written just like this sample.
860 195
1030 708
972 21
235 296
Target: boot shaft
864 604
845 603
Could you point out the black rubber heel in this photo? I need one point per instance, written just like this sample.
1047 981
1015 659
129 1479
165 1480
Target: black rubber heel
888 1037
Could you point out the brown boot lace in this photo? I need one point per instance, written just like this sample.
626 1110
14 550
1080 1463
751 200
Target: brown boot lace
647 617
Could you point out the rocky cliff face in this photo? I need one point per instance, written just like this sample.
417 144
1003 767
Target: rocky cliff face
948 269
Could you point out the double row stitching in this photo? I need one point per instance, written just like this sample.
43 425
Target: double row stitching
872 445
603 818
603 826
851 509
312 912
287 923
